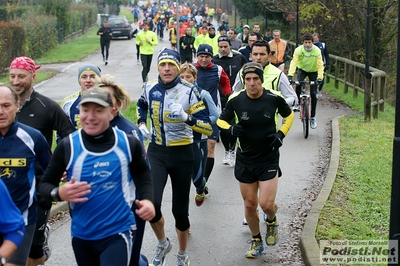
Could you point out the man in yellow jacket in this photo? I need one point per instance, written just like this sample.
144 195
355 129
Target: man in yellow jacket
308 60
146 39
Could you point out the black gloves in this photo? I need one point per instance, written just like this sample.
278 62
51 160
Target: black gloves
236 130
326 67
276 139
319 81
290 78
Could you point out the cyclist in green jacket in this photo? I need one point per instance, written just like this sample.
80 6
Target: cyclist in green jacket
308 60
146 39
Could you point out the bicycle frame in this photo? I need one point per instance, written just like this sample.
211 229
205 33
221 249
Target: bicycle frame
305 105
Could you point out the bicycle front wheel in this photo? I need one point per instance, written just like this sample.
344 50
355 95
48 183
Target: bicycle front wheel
306 123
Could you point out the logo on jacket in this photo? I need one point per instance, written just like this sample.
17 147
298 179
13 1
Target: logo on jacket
156 94
244 116
8 173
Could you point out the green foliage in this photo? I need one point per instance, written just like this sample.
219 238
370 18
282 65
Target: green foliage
74 50
41 35
353 210
11 11
12 38
80 17
248 8
58 8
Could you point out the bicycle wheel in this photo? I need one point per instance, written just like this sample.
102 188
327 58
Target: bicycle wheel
306 124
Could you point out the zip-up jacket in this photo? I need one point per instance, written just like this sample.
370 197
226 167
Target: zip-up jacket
214 80
21 147
231 64
147 48
168 129
308 61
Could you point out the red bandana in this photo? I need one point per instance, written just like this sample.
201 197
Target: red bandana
24 63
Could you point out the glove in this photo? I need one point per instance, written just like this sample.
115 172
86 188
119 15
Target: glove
276 139
290 78
176 109
326 67
145 132
236 130
319 81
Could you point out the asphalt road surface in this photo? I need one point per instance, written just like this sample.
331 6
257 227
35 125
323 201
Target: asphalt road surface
217 234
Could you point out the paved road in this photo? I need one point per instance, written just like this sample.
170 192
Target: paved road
217 236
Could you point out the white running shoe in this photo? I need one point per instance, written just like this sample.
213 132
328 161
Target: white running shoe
232 158
227 157
161 252
313 123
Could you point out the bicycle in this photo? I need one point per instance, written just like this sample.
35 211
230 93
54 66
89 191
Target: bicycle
305 105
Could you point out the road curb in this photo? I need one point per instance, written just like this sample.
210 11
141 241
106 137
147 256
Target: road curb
58 207
308 244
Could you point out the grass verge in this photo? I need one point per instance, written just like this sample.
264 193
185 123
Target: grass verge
358 207
73 50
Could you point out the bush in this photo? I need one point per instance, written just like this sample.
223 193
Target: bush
80 17
41 34
11 43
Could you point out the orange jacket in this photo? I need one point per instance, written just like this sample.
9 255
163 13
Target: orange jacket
281 51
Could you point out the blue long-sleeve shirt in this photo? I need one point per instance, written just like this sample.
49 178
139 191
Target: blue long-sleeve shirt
20 148
12 225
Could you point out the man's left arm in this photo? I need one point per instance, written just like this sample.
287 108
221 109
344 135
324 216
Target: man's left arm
140 171
287 51
198 118
326 55
287 115
287 90
43 152
154 40
60 121
320 65
293 64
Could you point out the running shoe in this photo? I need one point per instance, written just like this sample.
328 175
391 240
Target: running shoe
296 107
232 158
46 247
272 236
313 123
106 63
161 252
227 157
182 260
256 247
199 199
244 222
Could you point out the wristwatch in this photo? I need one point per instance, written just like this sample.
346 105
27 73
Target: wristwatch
3 260
54 194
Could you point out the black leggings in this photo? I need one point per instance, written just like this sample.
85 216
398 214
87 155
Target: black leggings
137 51
312 76
36 251
105 45
137 243
200 151
146 64
177 162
